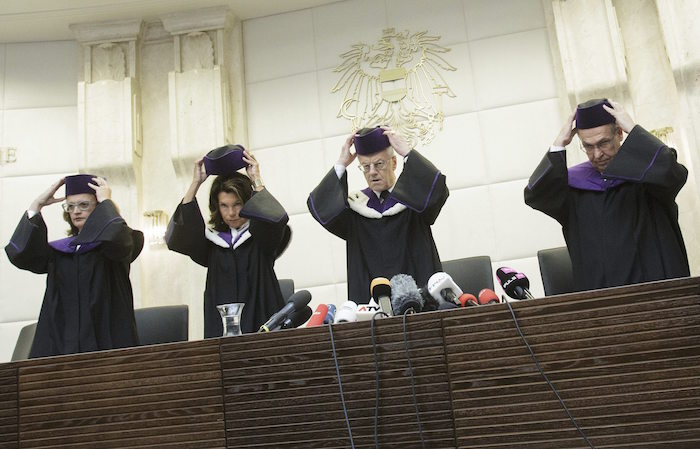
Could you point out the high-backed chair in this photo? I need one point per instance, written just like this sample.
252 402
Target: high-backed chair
555 268
287 287
471 274
24 342
164 324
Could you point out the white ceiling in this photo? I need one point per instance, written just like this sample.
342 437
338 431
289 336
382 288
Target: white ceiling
48 20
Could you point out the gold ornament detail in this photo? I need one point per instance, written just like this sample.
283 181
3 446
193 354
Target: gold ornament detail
396 81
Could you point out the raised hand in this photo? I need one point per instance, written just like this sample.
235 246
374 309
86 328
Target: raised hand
567 132
623 119
48 196
102 190
346 157
397 141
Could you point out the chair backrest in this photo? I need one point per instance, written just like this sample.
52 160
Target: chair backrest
471 274
164 324
24 342
287 287
555 268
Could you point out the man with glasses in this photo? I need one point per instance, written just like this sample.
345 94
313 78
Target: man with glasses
617 210
386 226
88 304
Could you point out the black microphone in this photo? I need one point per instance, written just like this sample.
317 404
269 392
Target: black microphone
297 318
515 284
430 304
405 297
297 301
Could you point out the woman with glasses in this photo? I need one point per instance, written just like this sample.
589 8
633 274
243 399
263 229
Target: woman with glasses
88 303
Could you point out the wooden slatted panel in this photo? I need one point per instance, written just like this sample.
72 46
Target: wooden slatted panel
281 389
164 396
625 361
8 407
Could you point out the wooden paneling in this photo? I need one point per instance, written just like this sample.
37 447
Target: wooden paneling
626 361
165 396
8 407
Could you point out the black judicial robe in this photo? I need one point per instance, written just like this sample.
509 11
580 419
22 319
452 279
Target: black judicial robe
384 239
240 270
88 304
621 226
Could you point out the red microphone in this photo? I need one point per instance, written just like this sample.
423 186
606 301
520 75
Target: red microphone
467 300
488 296
318 316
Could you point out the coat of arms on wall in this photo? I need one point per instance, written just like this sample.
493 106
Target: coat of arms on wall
396 81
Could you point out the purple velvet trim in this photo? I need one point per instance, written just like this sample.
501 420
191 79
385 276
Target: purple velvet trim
16 247
373 201
76 184
430 193
585 177
66 246
315 212
226 235
372 142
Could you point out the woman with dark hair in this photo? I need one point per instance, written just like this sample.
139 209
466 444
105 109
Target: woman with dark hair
248 232
88 304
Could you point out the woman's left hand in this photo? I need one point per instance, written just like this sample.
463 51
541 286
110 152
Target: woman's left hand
102 190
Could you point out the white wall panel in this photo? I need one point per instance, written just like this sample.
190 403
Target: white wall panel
438 17
461 81
329 102
314 256
465 225
41 75
516 137
45 139
283 111
342 24
279 45
3 49
520 230
487 18
291 172
458 152
512 69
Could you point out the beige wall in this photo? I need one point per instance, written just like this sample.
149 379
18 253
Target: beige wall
513 84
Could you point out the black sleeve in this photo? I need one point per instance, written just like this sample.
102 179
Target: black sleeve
645 159
29 248
105 225
548 187
421 187
185 233
268 221
328 204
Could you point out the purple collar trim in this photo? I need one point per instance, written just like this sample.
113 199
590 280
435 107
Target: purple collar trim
373 201
226 235
66 246
584 177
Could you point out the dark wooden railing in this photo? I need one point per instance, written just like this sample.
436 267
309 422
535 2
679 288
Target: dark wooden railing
625 361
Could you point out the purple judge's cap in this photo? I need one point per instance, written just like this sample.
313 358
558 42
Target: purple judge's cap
370 140
591 114
76 184
224 160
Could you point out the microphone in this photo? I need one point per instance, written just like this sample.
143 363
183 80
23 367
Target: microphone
297 318
430 304
318 316
488 296
443 288
405 297
330 316
380 289
347 313
515 284
297 301
468 300
447 305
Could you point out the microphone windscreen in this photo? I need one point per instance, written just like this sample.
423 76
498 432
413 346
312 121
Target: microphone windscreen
330 316
380 287
318 316
441 281
300 299
513 282
347 313
468 300
299 317
429 303
488 296
405 296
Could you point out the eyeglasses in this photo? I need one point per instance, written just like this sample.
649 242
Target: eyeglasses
379 166
83 205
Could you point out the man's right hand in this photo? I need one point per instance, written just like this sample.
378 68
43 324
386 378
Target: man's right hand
346 157
567 133
48 197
